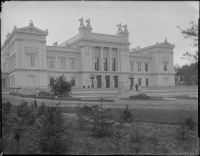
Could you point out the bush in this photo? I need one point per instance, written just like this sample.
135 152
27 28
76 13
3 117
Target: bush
190 123
44 93
61 86
140 96
127 116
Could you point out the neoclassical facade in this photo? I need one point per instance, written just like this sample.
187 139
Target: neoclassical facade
29 63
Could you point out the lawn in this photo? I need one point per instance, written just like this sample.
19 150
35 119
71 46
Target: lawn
153 139
152 99
183 97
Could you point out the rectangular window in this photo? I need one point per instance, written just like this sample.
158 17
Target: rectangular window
165 67
131 66
72 64
147 82
51 81
146 67
105 64
113 64
96 63
139 82
62 63
51 63
31 61
73 81
139 66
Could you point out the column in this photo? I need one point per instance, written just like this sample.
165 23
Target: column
121 59
161 66
93 58
172 63
22 54
103 81
56 63
83 57
135 66
40 55
118 60
128 63
101 60
44 54
110 59
112 82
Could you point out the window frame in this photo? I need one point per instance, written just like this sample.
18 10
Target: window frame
51 63
31 60
96 64
147 82
139 82
139 66
165 65
105 64
62 63
72 64
146 67
113 64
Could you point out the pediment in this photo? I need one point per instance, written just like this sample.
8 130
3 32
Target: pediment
165 45
32 29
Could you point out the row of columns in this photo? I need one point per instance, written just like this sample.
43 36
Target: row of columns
118 62
112 82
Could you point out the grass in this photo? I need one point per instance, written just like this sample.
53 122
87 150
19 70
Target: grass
184 97
165 133
152 99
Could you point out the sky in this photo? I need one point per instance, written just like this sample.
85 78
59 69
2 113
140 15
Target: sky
148 22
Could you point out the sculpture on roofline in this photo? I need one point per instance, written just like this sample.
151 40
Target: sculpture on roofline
120 26
31 23
46 30
165 39
15 27
55 44
81 21
125 27
88 22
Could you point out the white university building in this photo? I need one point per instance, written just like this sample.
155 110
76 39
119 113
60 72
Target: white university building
27 62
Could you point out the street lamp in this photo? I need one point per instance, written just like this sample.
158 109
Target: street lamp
92 76
131 77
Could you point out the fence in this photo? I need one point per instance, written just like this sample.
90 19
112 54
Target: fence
26 91
169 89
96 90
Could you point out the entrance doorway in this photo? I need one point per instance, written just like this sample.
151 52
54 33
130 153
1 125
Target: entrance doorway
98 81
132 84
116 81
107 78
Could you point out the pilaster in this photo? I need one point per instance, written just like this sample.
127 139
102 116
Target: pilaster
128 60
101 60
121 59
110 59
118 60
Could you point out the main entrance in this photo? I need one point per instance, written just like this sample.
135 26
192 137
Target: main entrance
107 78
116 81
98 81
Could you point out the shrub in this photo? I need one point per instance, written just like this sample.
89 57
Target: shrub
61 86
190 123
140 96
127 116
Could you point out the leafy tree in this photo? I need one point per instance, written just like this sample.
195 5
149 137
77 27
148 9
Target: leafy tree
191 33
190 72
61 86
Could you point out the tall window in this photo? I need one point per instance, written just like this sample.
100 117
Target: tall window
62 63
105 64
113 64
131 66
165 67
146 67
31 61
72 64
51 63
147 82
73 81
51 81
139 66
139 82
96 63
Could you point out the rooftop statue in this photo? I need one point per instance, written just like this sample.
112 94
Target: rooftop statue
46 30
81 21
31 23
88 22
15 27
55 44
165 39
125 27
120 26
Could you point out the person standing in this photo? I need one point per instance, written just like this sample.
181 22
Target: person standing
136 87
